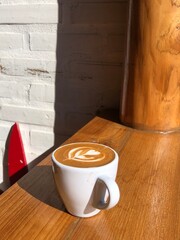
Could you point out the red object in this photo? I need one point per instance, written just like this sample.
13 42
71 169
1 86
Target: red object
17 165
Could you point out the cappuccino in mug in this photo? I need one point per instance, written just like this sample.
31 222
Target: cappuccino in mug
84 174
84 155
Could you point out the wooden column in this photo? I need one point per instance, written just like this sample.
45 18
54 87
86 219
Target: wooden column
151 90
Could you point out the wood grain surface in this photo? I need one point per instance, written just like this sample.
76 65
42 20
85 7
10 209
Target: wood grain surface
148 177
150 96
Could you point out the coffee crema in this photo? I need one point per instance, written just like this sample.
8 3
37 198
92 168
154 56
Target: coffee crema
84 155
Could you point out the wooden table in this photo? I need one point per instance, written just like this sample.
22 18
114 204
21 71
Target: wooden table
148 176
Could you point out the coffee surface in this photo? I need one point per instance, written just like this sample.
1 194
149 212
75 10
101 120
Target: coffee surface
84 155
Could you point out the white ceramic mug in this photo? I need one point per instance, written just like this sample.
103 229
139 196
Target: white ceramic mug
85 191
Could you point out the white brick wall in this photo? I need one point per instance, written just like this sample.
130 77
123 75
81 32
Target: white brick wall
60 62
11 41
29 13
26 114
42 92
43 41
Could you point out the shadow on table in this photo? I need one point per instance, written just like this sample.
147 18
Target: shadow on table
39 183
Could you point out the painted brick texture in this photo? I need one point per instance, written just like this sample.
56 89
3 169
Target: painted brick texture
60 63
11 41
29 13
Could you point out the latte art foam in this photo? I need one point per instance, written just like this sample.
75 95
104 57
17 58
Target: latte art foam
84 155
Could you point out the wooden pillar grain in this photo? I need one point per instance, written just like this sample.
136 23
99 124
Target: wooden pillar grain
151 90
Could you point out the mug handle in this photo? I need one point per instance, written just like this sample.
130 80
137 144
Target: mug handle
103 186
